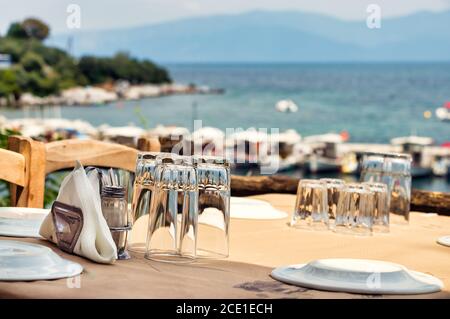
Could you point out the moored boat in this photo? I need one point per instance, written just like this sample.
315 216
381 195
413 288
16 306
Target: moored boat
443 113
416 146
286 106
248 149
325 155
207 141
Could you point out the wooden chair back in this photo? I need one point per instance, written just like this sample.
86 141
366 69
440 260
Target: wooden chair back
41 159
63 154
12 167
59 155
21 163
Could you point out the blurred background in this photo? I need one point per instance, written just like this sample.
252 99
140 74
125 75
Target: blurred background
337 79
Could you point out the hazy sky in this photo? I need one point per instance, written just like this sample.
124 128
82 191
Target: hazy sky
104 14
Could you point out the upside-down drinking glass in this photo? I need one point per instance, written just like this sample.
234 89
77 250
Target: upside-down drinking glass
334 187
394 170
311 208
381 209
355 210
213 177
172 229
143 186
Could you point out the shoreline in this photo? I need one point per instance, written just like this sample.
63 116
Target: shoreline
103 94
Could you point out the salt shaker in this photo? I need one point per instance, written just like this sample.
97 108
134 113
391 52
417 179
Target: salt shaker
115 211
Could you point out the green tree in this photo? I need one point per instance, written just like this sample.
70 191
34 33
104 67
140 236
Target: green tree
91 67
42 85
14 47
121 67
8 83
43 70
21 80
17 31
32 62
36 29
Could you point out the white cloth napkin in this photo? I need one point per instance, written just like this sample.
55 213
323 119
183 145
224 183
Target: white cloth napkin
95 241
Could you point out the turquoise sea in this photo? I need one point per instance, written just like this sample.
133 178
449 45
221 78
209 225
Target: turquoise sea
373 102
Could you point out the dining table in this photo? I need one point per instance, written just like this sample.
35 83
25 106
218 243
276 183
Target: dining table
256 248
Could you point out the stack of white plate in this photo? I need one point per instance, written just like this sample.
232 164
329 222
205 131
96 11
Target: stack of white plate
21 261
358 276
21 221
249 208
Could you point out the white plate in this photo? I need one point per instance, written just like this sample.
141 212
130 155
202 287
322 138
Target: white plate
358 276
249 208
21 221
444 240
21 261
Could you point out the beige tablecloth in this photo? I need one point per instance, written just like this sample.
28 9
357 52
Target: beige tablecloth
256 247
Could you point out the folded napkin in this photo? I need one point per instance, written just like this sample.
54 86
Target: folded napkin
80 192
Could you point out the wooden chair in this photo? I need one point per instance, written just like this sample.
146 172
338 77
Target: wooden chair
59 155
19 165
12 167
63 154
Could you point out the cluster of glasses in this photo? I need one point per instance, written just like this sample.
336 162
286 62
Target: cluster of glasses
187 199
358 208
353 208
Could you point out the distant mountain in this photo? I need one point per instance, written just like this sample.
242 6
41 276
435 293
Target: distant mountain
281 36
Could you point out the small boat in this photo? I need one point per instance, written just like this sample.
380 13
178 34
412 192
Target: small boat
286 106
441 166
416 145
443 113
320 164
297 158
325 155
248 149
288 152
441 161
285 142
207 141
